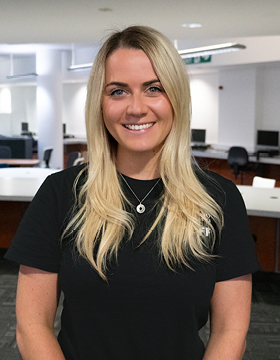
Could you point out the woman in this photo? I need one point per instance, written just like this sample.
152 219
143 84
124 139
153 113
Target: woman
141 241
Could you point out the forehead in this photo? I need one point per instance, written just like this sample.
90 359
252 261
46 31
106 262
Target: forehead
128 64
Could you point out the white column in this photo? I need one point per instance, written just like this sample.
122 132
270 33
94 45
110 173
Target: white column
49 105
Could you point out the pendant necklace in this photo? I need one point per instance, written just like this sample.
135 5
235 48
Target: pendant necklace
140 208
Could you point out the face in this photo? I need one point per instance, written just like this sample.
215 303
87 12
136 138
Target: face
136 109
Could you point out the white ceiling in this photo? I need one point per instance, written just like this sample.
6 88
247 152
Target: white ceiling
88 21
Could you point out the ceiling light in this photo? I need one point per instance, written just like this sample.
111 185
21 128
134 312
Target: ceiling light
80 67
210 50
22 76
191 25
105 9
18 76
73 66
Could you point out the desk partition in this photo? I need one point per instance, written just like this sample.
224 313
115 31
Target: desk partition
17 188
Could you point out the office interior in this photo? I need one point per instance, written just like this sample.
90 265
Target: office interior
234 96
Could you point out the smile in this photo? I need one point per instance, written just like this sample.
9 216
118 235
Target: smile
138 127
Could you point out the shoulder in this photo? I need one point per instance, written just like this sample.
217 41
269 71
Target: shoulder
208 177
58 188
217 186
64 180
68 175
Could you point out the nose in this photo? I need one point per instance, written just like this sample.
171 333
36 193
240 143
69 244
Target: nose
137 106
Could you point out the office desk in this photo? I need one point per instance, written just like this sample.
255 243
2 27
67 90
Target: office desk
70 141
223 154
21 184
216 160
17 188
262 202
20 162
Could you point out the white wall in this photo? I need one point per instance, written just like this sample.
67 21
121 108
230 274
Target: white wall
23 108
237 108
227 114
268 98
205 104
74 96
5 124
248 101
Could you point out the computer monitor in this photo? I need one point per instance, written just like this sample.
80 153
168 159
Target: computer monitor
198 136
24 126
267 140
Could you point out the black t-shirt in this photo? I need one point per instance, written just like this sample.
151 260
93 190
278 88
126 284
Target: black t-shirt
145 310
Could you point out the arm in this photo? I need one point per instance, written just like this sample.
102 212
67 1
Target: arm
230 318
37 298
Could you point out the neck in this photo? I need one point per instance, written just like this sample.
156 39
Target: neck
140 166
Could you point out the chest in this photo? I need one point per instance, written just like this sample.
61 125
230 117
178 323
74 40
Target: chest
138 282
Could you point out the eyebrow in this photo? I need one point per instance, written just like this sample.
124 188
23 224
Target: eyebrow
118 83
147 83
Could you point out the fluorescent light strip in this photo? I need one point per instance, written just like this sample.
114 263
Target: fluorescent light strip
210 50
192 25
80 67
22 76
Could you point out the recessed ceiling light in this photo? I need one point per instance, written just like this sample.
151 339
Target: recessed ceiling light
192 25
105 9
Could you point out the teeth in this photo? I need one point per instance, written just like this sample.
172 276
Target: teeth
139 127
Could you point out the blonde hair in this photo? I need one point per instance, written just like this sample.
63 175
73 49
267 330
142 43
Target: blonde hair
101 220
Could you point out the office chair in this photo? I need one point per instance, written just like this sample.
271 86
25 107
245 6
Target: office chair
5 152
47 156
261 182
72 157
79 161
238 159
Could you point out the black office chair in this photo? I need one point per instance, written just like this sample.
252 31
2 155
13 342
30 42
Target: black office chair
72 156
238 159
5 152
47 156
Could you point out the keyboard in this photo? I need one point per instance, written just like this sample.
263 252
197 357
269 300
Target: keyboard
200 147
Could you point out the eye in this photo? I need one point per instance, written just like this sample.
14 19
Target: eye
117 92
154 90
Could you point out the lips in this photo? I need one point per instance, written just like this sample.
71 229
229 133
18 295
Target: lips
138 126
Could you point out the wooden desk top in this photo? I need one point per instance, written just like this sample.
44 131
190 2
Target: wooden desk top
20 162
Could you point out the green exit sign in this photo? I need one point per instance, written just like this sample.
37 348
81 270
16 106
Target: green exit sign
198 60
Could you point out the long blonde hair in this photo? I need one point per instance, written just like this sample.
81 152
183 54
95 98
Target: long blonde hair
100 219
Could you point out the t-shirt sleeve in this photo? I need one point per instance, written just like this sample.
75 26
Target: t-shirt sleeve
236 250
37 240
